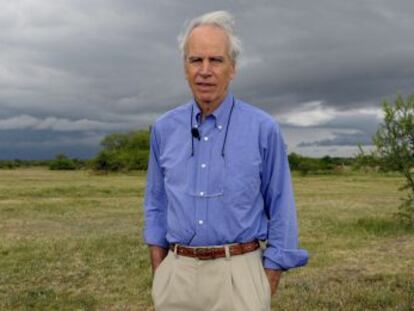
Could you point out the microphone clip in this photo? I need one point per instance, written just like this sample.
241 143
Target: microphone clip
195 133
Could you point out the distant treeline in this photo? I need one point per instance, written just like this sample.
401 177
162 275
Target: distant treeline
326 164
120 152
130 151
60 162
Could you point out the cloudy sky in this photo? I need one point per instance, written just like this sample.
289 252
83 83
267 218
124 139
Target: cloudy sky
72 71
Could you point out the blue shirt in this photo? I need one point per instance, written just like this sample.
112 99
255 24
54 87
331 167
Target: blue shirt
196 196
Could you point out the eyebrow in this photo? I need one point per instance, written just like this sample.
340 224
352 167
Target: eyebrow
195 57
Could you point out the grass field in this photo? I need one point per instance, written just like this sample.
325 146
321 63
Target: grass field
72 241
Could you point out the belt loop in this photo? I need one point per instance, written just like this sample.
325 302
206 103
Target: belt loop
262 244
175 250
227 251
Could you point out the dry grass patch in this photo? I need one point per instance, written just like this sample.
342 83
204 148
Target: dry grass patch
72 241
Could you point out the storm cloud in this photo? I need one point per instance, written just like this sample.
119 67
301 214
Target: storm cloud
72 71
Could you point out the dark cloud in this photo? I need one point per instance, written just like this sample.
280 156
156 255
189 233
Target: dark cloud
116 62
45 144
341 139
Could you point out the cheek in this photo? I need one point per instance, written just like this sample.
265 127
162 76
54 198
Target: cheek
226 78
188 74
191 77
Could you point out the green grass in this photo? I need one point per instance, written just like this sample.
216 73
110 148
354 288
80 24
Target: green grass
73 241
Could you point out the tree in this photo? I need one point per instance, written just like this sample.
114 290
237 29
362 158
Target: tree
394 142
124 152
367 162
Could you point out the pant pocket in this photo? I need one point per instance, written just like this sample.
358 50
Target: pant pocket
247 283
265 280
161 280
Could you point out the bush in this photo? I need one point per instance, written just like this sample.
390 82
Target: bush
325 165
107 161
123 152
8 164
61 162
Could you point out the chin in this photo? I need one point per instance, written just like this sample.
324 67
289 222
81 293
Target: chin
205 99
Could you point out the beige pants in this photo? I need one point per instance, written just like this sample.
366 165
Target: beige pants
236 283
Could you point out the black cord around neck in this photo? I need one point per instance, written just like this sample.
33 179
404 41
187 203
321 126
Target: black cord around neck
225 134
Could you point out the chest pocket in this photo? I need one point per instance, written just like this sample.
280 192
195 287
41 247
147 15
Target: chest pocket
205 179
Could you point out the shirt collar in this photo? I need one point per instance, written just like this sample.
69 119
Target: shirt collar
220 114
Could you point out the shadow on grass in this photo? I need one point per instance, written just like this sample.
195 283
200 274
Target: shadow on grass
47 299
382 226
376 226
341 290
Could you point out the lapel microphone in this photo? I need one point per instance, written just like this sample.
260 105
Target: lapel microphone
195 133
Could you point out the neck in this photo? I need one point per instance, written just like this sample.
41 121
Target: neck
207 108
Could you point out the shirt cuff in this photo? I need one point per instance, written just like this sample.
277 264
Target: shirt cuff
156 236
284 259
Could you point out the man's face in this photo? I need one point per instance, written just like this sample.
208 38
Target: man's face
208 66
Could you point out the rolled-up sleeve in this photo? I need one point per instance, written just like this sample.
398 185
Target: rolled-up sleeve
155 200
282 250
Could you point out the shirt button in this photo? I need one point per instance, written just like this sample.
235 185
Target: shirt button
200 222
205 138
201 193
219 127
203 165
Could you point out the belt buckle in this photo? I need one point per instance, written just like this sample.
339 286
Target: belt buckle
204 253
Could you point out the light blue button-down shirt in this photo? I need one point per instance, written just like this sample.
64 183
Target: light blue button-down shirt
210 199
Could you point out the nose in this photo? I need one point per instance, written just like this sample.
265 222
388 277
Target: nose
205 69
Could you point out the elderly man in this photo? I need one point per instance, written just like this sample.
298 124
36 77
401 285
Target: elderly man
218 187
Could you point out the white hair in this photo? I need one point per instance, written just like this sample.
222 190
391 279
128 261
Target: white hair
220 19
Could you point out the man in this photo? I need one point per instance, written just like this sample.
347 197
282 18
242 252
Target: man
218 182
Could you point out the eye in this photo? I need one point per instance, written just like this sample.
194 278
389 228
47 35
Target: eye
216 60
195 60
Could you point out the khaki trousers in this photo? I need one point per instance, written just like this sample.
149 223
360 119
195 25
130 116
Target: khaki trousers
224 284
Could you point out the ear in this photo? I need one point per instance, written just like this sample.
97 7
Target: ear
233 71
185 68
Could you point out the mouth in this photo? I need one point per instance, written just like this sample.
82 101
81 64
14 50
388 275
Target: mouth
205 85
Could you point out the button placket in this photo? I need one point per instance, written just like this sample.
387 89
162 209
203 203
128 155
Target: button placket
203 160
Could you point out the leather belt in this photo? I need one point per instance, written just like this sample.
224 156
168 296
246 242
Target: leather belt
206 253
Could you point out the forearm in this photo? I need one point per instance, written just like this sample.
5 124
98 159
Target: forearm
273 277
157 255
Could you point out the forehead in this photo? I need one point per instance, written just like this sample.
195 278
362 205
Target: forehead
207 40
